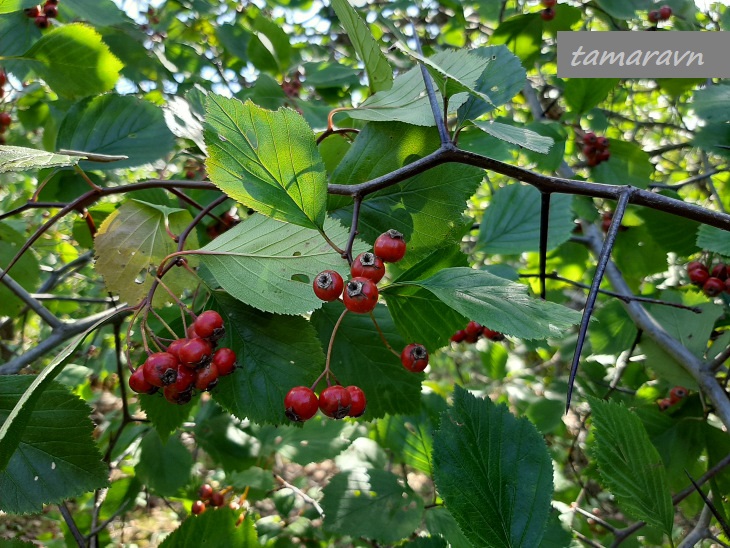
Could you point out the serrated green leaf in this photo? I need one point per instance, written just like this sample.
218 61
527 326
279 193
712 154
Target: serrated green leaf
359 357
222 437
555 534
164 417
101 13
711 103
274 354
116 125
56 457
517 136
9 6
614 331
24 159
380 74
522 34
671 232
358 502
266 160
630 465
440 521
214 528
582 94
502 305
261 262
164 467
74 49
317 440
494 473
714 240
511 223
624 10
628 164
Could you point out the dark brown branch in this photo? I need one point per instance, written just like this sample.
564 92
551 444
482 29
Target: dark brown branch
68 518
544 222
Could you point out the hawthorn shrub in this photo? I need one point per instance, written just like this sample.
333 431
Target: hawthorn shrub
300 274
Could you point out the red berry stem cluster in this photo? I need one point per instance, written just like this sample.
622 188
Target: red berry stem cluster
595 149
662 14
473 332
548 14
211 497
713 282
190 363
42 14
336 402
675 395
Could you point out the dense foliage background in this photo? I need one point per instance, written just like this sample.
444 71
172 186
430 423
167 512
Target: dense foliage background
229 127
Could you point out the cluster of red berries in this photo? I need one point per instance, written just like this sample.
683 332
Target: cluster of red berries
360 294
595 149
473 332
293 86
188 363
712 282
662 14
548 14
210 497
606 220
675 394
336 402
42 14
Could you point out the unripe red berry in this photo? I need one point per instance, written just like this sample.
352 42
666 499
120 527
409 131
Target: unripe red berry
654 16
160 369
209 325
677 393
357 401
719 271
195 353
548 14
602 143
390 246
665 12
713 287
458 336
5 119
368 265
335 402
328 285
206 378
589 151
138 383
473 328
603 156
414 357
205 491
189 174
301 404
699 276
225 361
360 295
198 507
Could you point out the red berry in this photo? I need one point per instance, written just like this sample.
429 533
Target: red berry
549 3
198 507
160 369
713 287
5 119
190 332
335 401
301 404
51 2
548 14
677 393
603 156
50 10
190 174
357 401
225 361
42 22
414 357
654 16
361 295
390 246
471 339
699 276
720 271
665 12
205 491
173 395
328 285
185 379
492 335
367 265
590 138
589 151
601 143
3 78
473 328
217 499
175 346
206 378
35 11
209 324
458 336
664 404
695 264
195 352
138 383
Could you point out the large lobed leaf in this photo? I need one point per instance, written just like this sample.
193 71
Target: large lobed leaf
266 160
494 473
630 465
25 159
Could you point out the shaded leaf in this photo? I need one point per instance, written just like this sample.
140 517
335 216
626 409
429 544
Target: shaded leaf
711 103
628 164
714 240
26 272
166 418
24 159
517 136
522 34
164 467
317 440
213 528
582 94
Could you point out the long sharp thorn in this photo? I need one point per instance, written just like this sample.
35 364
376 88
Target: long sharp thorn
544 220
710 505
432 99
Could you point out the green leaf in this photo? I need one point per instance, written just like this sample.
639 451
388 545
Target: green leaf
582 94
222 437
494 473
623 9
53 457
357 503
517 136
614 331
17 33
274 354
439 521
317 440
359 357
74 61
553 159
330 75
711 103
502 305
271 265
555 535
628 164
522 34
712 137
511 223
9 6
266 160
214 528
630 465
24 159
25 272
164 467
132 242
116 125
671 232
714 240
380 74
164 417
100 13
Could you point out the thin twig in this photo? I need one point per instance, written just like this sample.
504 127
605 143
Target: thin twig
544 223
68 518
300 493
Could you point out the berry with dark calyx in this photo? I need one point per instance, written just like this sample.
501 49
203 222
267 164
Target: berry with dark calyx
664 404
713 287
459 336
473 337
301 404
590 138
390 246
195 353
603 156
42 22
360 295
665 12
173 395
654 16
548 14
138 383
335 402
175 346
473 328
206 378
549 3
589 151
209 325
217 499
185 379
695 264
160 369
50 10
719 271
677 393
328 285
33 12
205 491
225 361
190 174
368 265
602 143
699 276
198 507
357 401
492 335
414 357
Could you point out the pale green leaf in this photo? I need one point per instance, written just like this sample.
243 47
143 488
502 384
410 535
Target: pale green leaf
24 159
714 240
517 136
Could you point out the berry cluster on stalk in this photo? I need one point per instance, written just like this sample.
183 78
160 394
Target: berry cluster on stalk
473 332
188 364
595 149
41 14
712 281
676 394
548 14
662 14
336 402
